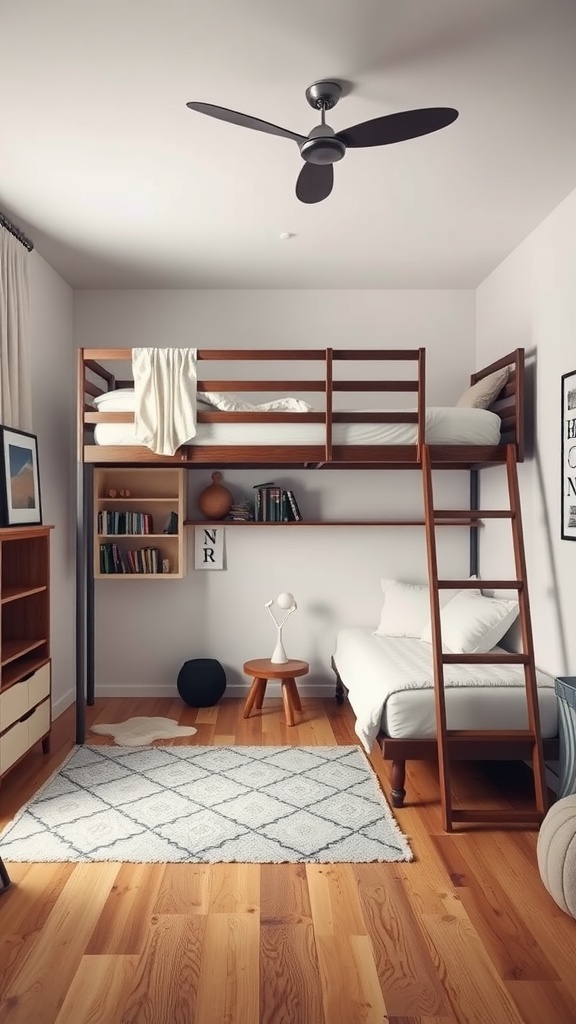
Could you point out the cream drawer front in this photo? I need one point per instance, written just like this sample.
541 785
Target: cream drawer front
14 703
39 685
38 723
18 740
13 744
18 699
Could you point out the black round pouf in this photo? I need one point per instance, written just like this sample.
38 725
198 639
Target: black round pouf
201 682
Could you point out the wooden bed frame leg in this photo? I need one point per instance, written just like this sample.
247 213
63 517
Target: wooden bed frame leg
398 780
340 688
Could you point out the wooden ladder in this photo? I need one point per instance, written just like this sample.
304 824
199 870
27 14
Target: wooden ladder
448 738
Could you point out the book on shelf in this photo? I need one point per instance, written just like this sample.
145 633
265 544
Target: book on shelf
294 510
114 561
171 524
274 504
112 523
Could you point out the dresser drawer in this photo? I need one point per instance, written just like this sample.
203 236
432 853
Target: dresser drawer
39 722
18 699
17 740
13 704
39 685
13 744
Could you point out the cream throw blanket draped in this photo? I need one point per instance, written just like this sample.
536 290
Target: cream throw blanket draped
165 397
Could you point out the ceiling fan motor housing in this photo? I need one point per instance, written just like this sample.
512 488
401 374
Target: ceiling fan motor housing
322 146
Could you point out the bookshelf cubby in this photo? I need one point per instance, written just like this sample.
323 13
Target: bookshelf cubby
129 538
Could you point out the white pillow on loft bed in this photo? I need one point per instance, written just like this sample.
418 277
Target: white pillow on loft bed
123 400
230 402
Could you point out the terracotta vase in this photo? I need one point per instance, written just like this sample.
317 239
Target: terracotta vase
215 501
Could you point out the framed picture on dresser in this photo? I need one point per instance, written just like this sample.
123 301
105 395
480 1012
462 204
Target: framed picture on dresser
20 500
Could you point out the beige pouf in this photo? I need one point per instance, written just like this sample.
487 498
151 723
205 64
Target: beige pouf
556 852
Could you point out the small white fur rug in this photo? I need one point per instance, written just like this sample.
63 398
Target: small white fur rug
139 732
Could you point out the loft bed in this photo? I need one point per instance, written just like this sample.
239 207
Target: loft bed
357 421
329 434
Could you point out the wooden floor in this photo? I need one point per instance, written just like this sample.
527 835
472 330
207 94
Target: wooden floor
465 934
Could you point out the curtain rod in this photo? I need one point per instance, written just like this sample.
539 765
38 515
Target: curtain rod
5 223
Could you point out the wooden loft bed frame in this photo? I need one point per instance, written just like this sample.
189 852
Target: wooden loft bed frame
327 377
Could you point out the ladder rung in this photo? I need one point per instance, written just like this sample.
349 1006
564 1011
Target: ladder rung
486 659
498 817
481 735
480 584
468 513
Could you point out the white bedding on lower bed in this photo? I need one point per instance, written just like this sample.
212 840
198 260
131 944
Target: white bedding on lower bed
389 680
443 426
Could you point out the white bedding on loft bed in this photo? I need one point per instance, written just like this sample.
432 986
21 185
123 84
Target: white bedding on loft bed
390 689
444 425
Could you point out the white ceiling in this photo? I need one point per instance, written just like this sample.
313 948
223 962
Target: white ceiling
120 185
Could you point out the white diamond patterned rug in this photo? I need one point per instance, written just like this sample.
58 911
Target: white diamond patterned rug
139 732
208 805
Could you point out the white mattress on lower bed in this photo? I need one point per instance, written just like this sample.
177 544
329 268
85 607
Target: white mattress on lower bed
443 426
389 680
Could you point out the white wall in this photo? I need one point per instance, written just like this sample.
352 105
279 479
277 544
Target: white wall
53 408
144 632
530 300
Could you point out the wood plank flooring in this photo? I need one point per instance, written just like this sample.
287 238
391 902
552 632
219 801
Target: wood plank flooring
465 934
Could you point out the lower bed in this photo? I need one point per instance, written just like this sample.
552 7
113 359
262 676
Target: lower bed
390 688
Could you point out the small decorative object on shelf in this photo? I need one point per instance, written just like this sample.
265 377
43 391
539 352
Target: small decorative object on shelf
241 512
215 501
288 605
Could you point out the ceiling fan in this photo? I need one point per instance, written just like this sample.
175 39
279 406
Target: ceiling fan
323 147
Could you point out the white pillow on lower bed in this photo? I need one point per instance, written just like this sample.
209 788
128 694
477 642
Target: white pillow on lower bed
406 608
473 624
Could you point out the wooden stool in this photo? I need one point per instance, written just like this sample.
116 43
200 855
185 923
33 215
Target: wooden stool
263 669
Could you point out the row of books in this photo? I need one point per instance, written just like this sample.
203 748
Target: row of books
274 504
114 561
124 522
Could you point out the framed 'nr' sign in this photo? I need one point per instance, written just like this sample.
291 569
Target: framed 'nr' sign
569 456
209 547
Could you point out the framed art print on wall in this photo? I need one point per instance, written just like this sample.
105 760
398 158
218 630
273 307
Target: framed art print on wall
20 502
569 456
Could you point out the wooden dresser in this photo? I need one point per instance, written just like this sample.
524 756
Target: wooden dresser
25 684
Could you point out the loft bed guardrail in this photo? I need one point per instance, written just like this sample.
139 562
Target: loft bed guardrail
332 436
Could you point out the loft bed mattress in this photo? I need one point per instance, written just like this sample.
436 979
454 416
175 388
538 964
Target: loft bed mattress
390 689
444 425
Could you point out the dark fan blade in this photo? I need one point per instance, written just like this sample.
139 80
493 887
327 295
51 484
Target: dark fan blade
408 124
244 120
315 182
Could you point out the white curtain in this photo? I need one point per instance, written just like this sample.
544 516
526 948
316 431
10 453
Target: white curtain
15 385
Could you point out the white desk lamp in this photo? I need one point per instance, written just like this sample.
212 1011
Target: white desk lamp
287 603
